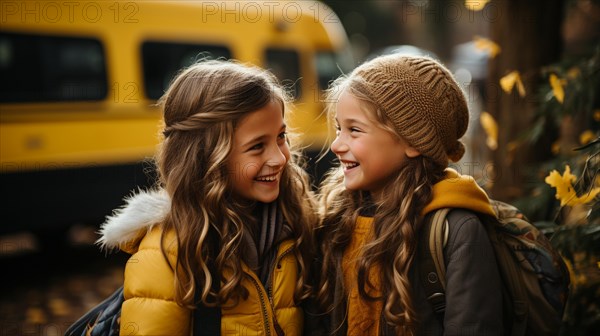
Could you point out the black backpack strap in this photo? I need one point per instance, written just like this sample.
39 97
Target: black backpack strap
207 320
432 269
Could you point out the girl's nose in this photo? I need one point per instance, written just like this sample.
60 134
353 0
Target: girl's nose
276 158
338 146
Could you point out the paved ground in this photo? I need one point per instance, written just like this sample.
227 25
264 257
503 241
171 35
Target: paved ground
43 292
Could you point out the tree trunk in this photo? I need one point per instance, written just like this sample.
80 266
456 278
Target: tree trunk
529 33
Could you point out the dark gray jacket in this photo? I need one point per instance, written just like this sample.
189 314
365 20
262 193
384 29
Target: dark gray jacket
473 289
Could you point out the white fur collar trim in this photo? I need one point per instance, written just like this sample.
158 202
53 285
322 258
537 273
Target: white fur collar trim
141 210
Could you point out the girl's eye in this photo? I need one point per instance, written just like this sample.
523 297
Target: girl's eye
282 135
354 129
256 147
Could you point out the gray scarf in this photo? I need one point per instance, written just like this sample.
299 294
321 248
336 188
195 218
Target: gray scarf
260 252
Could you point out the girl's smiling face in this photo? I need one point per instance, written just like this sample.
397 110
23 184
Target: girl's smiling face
259 154
369 154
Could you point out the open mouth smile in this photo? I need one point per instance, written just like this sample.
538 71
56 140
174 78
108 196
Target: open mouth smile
349 164
267 178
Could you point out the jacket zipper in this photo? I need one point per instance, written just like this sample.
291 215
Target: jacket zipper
270 288
262 304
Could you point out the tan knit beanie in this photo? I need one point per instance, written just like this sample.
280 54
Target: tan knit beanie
423 101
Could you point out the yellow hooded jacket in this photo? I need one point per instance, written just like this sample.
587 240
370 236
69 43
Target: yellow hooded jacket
150 308
454 191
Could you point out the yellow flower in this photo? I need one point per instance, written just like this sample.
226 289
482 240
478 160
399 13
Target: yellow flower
557 88
491 129
476 5
586 137
564 188
508 82
597 115
486 45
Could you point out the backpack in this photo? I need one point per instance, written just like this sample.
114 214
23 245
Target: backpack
104 319
534 276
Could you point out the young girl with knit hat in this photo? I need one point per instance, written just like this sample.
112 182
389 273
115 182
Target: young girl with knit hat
228 228
399 120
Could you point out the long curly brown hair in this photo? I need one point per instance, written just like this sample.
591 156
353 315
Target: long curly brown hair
397 218
201 108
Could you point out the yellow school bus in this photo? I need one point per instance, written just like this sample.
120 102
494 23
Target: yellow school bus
80 81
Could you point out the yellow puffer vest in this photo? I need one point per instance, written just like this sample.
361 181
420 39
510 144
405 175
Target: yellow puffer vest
150 309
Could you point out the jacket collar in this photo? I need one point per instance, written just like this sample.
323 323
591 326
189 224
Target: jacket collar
142 210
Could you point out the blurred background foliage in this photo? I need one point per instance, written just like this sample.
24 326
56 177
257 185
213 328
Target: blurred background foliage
574 226
537 107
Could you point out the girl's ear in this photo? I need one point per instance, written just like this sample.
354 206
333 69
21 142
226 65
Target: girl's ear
411 152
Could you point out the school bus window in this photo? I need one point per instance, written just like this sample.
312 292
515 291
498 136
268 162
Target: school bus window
330 66
37 68
162 60
285 64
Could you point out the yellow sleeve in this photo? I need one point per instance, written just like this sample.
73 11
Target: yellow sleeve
149 307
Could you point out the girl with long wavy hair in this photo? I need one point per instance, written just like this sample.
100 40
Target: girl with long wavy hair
399 120
228 225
